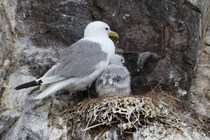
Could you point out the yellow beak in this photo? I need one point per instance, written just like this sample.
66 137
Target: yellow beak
113 34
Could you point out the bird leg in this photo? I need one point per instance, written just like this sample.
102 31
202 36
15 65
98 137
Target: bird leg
88 91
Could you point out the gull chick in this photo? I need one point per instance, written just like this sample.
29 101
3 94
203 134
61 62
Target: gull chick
80 64
115 79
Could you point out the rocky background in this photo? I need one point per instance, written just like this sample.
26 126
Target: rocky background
165 45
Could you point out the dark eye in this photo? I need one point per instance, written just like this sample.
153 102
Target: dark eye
107 28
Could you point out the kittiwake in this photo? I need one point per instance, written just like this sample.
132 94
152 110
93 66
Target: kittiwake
115 79
80 64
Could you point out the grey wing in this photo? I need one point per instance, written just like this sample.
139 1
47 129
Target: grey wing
121 79
113 74
113 78
118 75
116 70
79 60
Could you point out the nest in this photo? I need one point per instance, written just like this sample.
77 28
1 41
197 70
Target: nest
131 115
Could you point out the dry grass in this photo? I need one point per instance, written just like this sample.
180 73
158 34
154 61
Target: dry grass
154 111
153 114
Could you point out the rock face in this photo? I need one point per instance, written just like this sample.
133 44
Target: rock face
200 91
163 28
159 40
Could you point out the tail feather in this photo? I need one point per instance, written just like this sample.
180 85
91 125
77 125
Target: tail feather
51 89
29 84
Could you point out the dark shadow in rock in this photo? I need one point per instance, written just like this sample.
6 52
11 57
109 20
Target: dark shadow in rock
140 66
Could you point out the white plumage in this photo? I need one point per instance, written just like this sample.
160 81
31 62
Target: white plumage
115 79
80 64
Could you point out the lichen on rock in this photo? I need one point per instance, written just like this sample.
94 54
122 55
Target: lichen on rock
160 42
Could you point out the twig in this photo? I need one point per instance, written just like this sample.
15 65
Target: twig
93 126
156 86
97 137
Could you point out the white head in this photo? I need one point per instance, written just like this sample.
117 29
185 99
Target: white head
98 29
117 59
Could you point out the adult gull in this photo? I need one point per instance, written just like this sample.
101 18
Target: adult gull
80 64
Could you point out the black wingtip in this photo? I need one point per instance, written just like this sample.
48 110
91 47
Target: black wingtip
29 84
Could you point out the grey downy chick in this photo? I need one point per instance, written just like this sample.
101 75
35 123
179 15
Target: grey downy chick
115 79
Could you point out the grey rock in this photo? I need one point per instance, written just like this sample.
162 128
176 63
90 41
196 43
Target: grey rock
30 126
163 29
159 40
207 40
6 123
141 66
199 90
